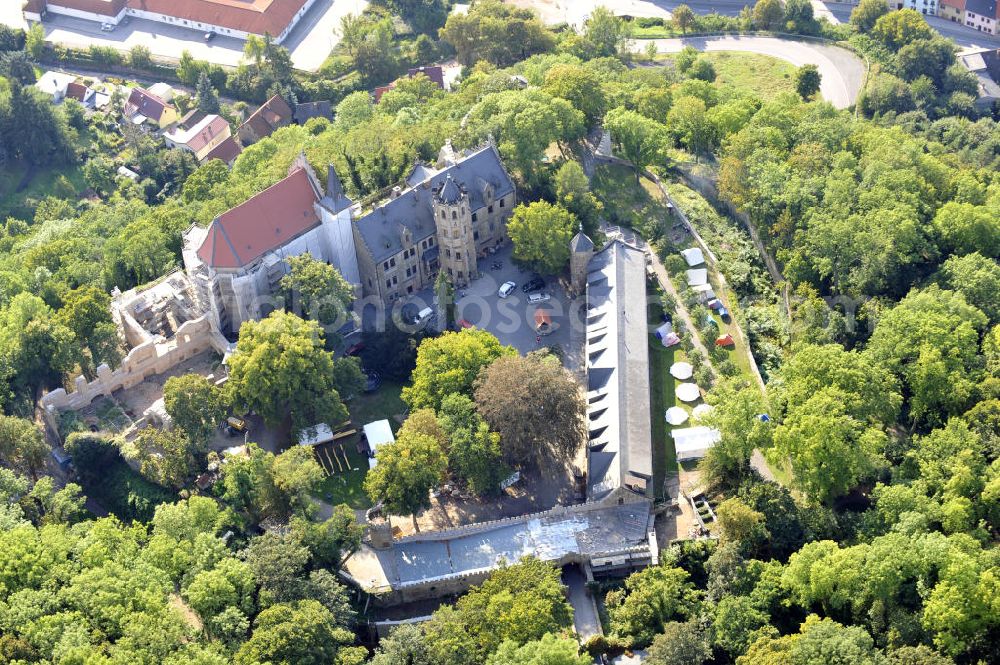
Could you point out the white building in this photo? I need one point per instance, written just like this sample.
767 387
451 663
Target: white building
237 262
55 84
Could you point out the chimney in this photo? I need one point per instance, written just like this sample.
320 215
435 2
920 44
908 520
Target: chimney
396 191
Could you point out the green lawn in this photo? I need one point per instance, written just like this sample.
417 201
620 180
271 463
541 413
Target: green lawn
631 204
752 73
347 486
661 398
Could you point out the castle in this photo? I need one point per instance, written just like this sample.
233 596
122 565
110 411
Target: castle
448 216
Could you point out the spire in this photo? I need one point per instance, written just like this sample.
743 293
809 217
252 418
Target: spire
335 199
581 242
450 191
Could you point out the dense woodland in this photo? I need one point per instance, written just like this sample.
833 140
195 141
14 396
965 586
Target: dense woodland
884 407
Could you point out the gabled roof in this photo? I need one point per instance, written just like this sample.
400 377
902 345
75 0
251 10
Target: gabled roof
201 133
987 8
145 103
273 114
227 151
253 16
77 91
308 110
261 224
434 73
380 228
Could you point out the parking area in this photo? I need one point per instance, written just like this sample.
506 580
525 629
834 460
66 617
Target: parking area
557 321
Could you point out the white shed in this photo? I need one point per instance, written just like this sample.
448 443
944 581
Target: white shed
693 256
693 442
697 277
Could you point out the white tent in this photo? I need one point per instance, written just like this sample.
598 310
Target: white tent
687 392
697 277
693 256
693 442
377 434
675 415
702 410
681 370
665 329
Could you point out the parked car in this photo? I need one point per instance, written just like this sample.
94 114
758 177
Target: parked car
536 298
209 36
107 27
534 284
506 289
235 425
424 315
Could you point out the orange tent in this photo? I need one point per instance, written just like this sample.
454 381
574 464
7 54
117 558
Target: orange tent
724 340
543 322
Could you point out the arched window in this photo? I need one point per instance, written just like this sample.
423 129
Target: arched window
454 215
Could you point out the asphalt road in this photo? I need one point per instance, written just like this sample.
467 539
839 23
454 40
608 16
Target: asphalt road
842 71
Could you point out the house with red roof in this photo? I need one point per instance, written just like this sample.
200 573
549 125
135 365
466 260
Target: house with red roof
201 137
271 116
237 262
142 106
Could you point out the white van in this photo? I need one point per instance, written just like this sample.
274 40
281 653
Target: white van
423 315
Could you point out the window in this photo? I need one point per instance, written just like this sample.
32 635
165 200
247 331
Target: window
392 262
385 266
454 215
388 284
460 274
458 256
443 216
475 235
501 203
475 217
490 210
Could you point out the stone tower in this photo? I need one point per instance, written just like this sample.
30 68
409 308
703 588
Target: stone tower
581 249
454 232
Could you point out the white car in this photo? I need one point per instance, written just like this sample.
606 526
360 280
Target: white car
107 27
536 298
506 289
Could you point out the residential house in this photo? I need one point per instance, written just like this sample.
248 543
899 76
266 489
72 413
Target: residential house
984 64
435 73
981 15
953 10
448 216
272 115
227 151
143 106
922 6
308 110
55 84
199 137
80 93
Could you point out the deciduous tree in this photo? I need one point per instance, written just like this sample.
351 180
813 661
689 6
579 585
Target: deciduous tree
196 405
408 469
807 81
541 232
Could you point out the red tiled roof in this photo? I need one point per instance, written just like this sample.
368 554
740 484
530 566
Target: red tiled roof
253 16
77 91
227 151
263 223
273 114
144 102
109 8
216 126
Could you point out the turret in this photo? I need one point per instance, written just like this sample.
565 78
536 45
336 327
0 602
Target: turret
581 250
453 219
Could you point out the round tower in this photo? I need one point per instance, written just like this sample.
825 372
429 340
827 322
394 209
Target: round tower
581 250
453 219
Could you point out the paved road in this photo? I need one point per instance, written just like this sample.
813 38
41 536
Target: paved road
314 35
585 619
842 71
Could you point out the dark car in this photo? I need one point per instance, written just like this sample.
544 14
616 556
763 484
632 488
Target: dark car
533 284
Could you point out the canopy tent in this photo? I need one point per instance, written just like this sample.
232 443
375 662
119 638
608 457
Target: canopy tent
697 277
671 339
664 330
724 340
693 256
704 292
702 410
687 392
675 415
681 370
377 434
693 442
543 322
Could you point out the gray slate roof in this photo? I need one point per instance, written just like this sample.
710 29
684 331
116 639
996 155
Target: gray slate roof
335 199
380 229
581 242
620 451
986 8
